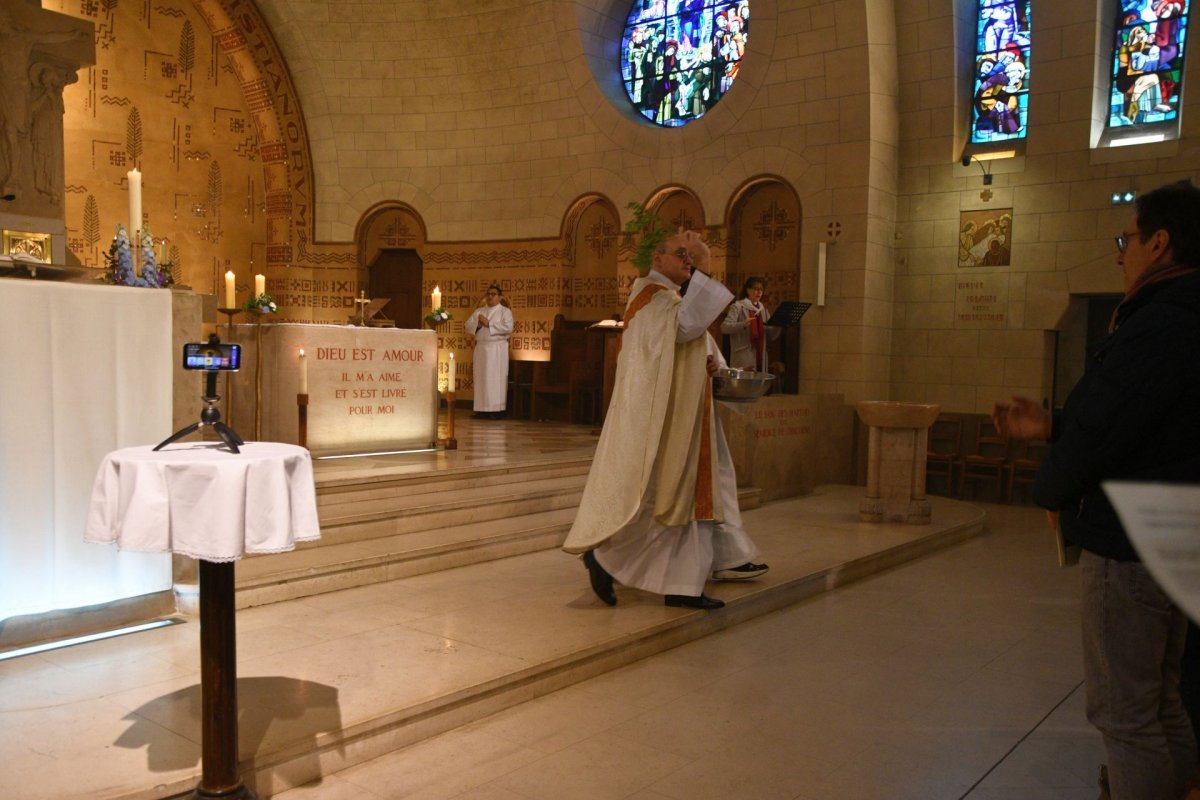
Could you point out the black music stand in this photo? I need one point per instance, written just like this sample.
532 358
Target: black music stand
788 316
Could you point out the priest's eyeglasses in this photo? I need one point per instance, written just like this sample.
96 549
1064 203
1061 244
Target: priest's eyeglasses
682 254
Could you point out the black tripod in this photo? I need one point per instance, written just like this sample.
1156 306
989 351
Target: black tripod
210 416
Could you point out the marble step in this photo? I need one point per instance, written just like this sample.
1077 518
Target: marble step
409 513
333 567
335 492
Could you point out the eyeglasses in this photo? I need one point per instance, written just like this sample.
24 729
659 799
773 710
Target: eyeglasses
682 253
1123 240
493 294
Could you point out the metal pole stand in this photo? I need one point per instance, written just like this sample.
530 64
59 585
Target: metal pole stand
450 442
302 411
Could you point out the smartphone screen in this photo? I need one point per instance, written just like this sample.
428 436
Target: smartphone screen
201 355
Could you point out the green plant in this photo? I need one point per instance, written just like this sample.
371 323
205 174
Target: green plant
653 233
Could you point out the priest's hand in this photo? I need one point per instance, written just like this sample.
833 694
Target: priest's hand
712 366
697 249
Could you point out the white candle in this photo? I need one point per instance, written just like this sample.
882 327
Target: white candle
303 372
230 291
450 380
135 202
437 298
260 285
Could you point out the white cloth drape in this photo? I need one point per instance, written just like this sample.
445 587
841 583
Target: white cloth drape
85 370
201 500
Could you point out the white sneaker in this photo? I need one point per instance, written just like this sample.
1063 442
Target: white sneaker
743 573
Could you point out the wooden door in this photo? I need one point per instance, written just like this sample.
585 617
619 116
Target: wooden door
396 274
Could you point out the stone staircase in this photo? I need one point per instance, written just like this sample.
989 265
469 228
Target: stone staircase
384 526
387 525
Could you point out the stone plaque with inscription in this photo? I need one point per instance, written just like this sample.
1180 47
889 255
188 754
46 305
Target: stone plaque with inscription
981 301
368 388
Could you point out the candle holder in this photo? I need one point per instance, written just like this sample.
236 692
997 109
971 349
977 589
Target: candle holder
302 412
230 315
450 443
257 316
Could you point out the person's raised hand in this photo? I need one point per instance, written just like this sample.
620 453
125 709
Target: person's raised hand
1023 418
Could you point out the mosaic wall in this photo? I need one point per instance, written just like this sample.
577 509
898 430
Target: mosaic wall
163 98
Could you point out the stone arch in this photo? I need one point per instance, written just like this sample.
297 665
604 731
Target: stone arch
764 222
389 245
678 206
591 233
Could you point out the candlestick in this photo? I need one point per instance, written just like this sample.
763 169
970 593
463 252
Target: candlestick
303 372
230 290
260 285
437 298
450 382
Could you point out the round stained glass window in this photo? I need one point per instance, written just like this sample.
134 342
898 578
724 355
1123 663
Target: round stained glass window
679 57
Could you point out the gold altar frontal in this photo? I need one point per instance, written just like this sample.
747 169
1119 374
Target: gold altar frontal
368 388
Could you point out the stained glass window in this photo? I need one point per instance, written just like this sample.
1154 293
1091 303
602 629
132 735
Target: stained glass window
679 57
1147 62
1000 103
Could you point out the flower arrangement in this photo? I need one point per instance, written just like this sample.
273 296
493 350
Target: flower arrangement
119 263
653 232
261 304
438 316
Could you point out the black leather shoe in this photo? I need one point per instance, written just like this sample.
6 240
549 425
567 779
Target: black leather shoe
687 601
602 582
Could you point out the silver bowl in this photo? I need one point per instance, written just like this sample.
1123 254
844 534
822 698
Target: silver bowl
741 385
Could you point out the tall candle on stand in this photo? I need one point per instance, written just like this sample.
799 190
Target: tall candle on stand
230 291
437 298
450 380
135 214
303 372
260 285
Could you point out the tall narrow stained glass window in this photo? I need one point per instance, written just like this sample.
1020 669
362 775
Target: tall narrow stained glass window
1147 62
679 57
1000 103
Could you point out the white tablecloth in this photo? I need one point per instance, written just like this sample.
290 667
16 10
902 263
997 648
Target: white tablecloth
203 501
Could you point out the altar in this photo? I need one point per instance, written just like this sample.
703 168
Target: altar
367 388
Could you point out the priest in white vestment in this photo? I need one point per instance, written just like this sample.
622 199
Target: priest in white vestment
659 511
491 325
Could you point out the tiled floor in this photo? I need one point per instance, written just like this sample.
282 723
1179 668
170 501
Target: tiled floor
956 676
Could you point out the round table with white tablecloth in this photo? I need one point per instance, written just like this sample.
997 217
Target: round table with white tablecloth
203 501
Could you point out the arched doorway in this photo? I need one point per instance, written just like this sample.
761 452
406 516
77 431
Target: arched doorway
764 241
391 238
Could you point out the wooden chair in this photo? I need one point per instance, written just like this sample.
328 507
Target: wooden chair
1025 464
551 379
520 389
571 382
988 463
942 452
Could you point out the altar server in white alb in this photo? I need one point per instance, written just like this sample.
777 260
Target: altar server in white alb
491 325
658 497
746 324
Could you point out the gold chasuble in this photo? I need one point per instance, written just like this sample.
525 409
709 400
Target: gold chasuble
659 431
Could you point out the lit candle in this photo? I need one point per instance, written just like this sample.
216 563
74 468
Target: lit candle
303 372
230 291
260 285
135 202
450 380
437 298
